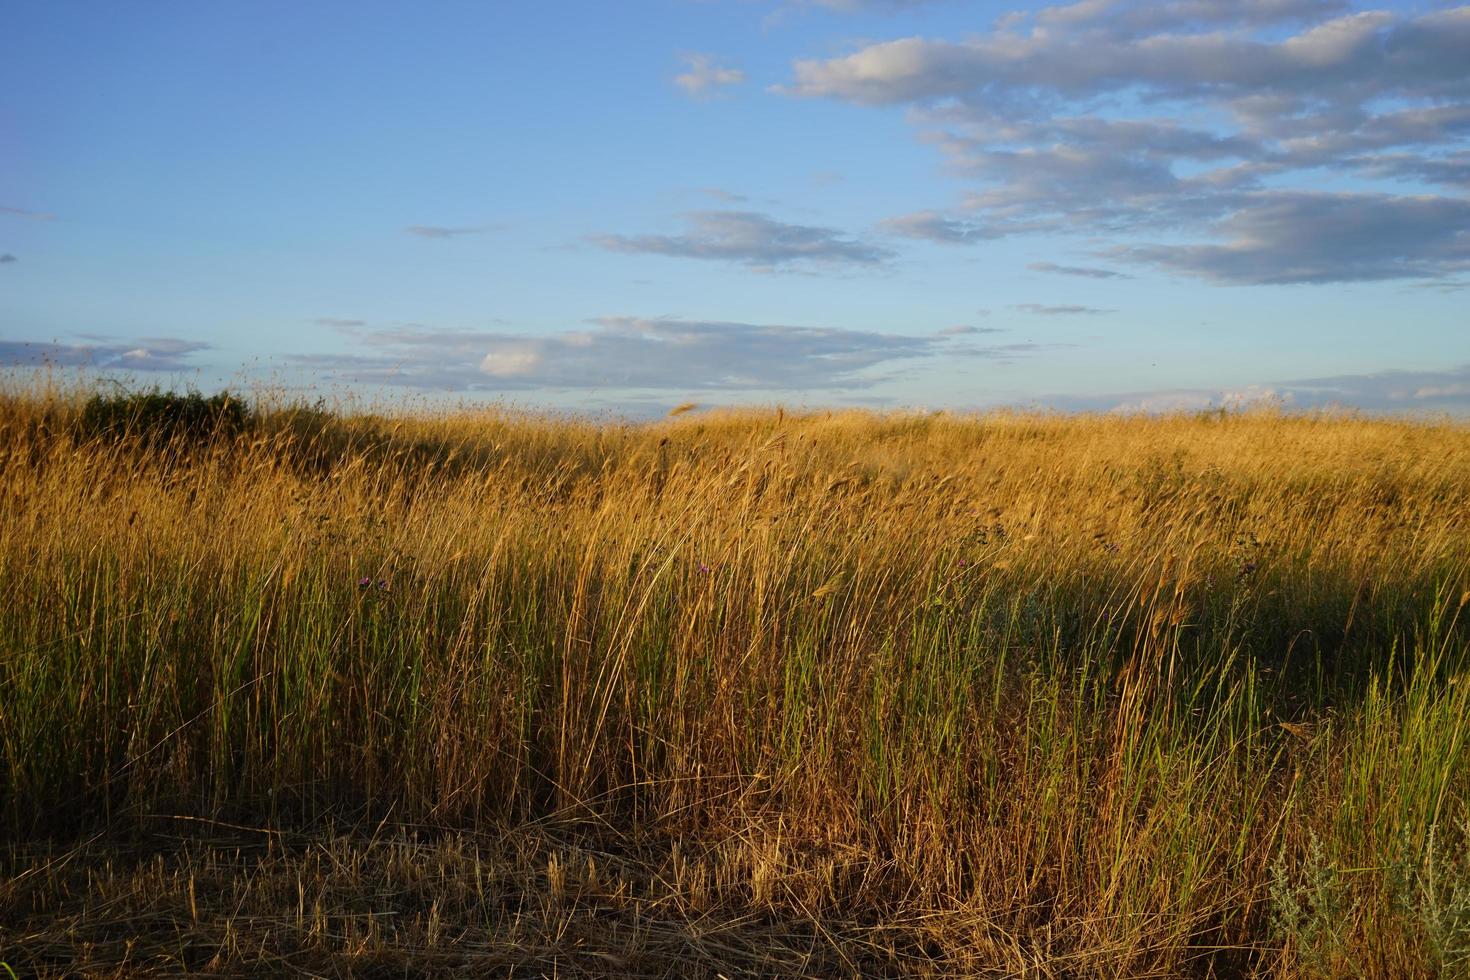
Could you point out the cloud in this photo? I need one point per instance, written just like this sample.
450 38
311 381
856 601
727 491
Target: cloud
965 329
1451 170
1085 272
436 231
1317 237
1168 400
863 6
855 5
1396 391
641 354
751 239
7 258
706 76
1411 56
145 354
1387 390
720 194
338 323
28 215
1121 18
1126 119
1081 185
1041 310
934 227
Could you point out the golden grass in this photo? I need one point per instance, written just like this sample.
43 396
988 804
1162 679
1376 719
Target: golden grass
832 693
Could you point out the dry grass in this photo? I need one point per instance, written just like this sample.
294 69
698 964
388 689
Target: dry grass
733 693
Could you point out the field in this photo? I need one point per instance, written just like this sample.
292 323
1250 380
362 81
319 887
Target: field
734 693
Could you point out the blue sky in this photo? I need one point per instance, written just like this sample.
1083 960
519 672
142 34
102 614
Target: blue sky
929 203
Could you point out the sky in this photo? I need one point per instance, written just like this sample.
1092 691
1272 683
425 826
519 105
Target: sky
593 206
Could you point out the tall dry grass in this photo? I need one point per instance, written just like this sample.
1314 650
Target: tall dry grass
824 693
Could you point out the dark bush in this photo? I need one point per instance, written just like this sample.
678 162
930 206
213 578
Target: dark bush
158 417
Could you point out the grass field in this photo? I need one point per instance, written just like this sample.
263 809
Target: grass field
735 693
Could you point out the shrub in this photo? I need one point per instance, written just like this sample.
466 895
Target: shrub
158 417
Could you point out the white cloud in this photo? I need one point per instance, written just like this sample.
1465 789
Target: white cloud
705 75
511 363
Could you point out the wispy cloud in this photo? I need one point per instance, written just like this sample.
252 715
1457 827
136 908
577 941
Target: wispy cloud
934 227
1168 15
965 329
28 215
338 323
1085 272
705 75
144 354
863 6
438 231
751 239
1404 392
1306 237
7 258
727 197
1064 310
1387 389
635 354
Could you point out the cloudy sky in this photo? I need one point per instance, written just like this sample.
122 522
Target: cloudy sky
596 205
